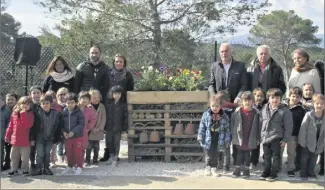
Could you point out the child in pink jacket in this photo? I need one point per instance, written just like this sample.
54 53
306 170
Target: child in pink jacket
90 116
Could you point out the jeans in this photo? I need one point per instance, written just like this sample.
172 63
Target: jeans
43 155
298 156
7 153
272 158
322 160
113 141
2 145
225 154
291 151
243 157
308 162
61 149
92 145
212 155
32 156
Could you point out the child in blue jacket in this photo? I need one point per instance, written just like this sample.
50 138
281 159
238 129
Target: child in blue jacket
214 134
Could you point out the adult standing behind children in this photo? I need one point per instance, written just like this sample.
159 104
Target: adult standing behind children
303 71
92 73
58 75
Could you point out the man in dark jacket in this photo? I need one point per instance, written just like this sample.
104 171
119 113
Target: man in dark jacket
5 113
231 76
92 73
266 72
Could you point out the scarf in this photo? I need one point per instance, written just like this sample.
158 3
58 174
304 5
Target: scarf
118 75
304 68
61 77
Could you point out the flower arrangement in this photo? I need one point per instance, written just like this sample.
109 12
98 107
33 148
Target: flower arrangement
167 79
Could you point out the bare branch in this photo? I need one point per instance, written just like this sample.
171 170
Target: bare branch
185 12
161 2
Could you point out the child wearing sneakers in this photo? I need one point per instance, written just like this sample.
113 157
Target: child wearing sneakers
276 129
72 130
214 134
311 137
245 133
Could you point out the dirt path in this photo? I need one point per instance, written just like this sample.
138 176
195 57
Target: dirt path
115 182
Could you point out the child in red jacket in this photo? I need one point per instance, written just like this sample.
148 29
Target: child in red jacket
21 120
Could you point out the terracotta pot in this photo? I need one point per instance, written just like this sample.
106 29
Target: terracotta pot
190 129
154 136
143 137
178 129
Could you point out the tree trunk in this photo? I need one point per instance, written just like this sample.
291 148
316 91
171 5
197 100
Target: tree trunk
157 45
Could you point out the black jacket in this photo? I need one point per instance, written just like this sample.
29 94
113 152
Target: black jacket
33 132
298 113
50 84
117 117
237 79
92 76
127 84
50 125
272 78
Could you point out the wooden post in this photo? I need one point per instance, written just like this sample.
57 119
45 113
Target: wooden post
131 131
168 130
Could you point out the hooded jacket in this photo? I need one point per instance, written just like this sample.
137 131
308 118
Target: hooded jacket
73 121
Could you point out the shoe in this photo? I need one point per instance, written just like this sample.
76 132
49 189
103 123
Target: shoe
62 159
272 177
214 172
78 171
66 171
25 173
264 175
246 173
10 174
106 156
47 171
312 175
321 172
87 164
291 173
237 172
37 172
6 166
207 171
110 161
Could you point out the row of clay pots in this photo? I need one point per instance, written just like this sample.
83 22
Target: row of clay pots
144 138
189 129
147 116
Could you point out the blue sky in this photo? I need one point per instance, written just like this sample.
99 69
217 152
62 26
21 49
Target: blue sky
33 17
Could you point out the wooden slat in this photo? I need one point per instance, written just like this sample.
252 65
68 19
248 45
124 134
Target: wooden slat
162 119
145 128
185 119
180 136
149 145
185 145
147 154
162 97
187 154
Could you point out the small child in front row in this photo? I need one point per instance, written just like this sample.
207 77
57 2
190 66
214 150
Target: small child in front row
97 133
90 118
311 137
308 91
72 130
48 135
214 134
276 130
259 102
117 122
298 112
21 121
245 133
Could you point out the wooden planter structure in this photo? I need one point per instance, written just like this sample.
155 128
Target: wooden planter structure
160 111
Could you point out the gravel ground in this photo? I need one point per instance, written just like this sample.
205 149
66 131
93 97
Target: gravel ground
138 174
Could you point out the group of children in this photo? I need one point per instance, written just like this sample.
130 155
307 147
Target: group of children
271 122
38 127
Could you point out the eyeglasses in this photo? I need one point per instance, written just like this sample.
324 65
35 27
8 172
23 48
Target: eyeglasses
61 94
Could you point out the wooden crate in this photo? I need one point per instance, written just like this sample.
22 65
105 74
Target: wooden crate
169 108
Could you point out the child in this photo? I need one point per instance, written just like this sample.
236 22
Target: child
21 121
276 130
61 100
72 130
308 91
298 112
214 134
5 113
47 136
311 137
90 117
259 101
97 133
117 122
11 101
245 133
59 109
35 93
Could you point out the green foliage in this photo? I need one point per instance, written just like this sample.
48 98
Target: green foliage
9 29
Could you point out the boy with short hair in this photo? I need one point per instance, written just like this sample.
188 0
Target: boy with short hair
276 129
72 130
47 135
298 112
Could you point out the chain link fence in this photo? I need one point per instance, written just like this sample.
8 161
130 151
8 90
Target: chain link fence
200 56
